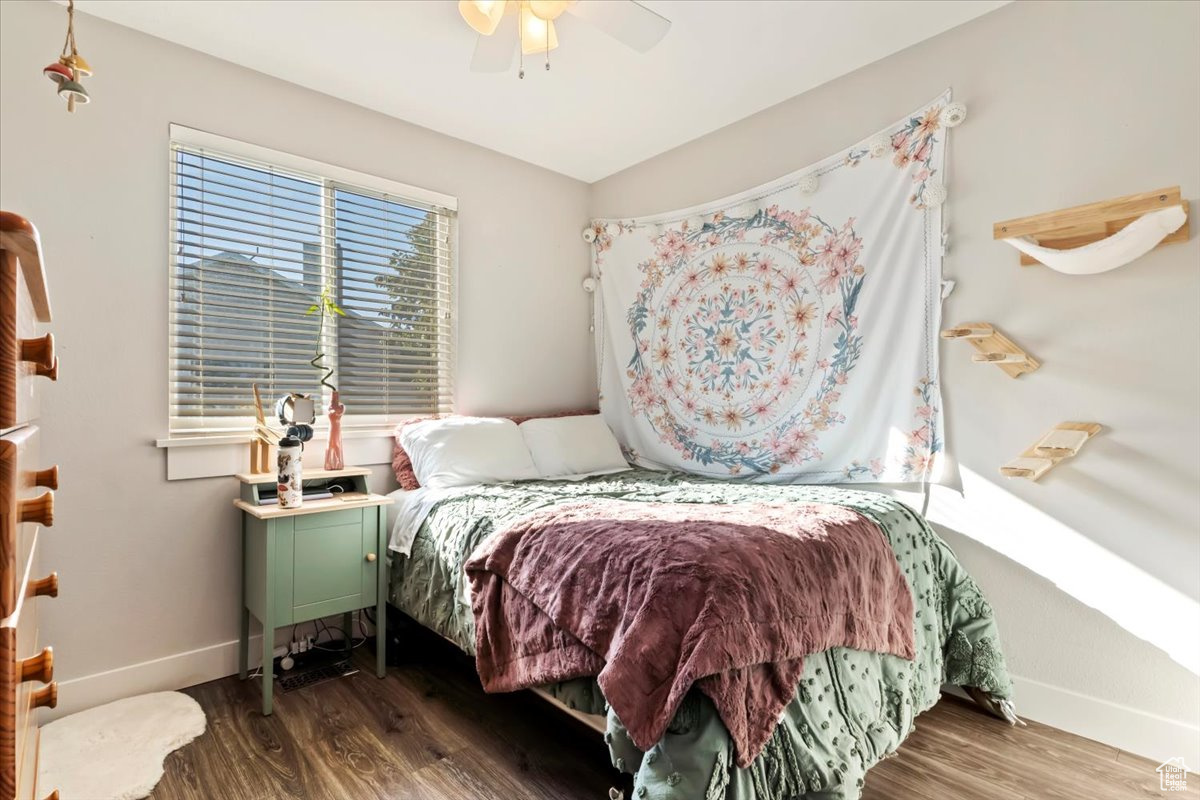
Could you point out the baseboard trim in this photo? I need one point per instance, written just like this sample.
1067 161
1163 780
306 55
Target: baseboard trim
158 675
1129 729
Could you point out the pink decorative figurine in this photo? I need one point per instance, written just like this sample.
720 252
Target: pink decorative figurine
333 451
328 309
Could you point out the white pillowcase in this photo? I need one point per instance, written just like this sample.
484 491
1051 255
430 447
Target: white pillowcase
573 447
465 451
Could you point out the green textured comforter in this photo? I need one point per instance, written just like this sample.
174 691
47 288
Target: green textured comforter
851 707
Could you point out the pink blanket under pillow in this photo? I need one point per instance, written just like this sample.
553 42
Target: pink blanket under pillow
402 464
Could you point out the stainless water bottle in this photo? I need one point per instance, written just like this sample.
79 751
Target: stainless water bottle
291 478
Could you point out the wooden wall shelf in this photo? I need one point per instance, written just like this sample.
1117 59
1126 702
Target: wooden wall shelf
1060 443
1080 225
993 348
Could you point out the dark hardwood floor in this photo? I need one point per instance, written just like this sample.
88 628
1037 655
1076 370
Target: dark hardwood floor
428 732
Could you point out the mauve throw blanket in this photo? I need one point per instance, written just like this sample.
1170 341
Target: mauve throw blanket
654 597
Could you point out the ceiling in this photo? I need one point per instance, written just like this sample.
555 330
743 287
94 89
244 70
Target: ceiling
601 108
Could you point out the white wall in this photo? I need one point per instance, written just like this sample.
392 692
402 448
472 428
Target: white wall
149 568
1068 103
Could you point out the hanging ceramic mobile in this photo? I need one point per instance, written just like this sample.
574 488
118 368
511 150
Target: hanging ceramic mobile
70 67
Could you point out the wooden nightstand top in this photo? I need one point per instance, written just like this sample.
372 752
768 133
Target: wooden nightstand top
309 475
313 506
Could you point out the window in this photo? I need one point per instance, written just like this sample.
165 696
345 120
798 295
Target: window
256 236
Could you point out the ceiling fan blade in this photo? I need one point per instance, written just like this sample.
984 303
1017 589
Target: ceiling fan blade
495 53
626 21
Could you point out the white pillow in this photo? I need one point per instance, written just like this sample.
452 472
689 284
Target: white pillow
573 447
465 451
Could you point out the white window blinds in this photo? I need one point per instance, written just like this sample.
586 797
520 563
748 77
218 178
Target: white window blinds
253 244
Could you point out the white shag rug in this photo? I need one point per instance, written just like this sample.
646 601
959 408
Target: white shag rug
116 751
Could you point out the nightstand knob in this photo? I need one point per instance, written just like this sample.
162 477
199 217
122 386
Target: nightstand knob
45 697
37 509
46 587
370 556
39 667
46 478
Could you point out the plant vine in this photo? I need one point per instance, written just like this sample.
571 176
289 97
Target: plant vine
327 308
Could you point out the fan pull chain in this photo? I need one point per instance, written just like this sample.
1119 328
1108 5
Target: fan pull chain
521 41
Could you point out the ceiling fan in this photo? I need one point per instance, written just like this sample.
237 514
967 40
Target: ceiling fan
626 21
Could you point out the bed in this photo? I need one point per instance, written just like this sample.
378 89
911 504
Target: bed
850 709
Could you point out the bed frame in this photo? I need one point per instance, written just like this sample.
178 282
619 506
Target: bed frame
593 721
599 724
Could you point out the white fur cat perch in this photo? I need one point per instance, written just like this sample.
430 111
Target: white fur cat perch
1098 237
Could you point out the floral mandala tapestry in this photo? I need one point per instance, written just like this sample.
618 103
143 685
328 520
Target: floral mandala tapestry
787 333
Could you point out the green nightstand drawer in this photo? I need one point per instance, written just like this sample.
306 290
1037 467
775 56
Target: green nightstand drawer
330 519
327 563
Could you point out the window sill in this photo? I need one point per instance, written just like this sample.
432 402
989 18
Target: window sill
226 455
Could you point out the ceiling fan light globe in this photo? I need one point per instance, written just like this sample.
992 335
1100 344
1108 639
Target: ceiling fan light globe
537 35
482 15
548 9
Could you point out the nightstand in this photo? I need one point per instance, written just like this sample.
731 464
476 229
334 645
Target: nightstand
299 564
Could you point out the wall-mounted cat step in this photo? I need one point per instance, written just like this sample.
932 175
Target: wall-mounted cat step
994 347
1063 442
